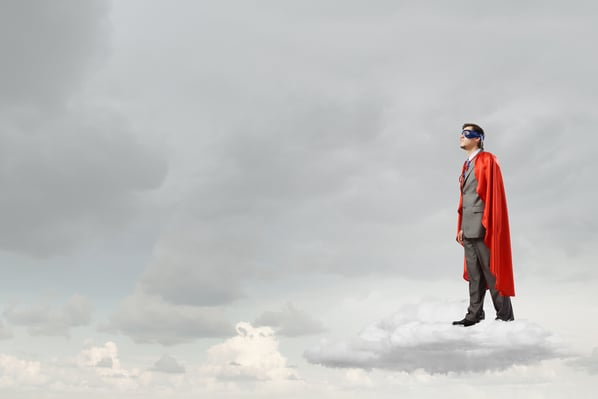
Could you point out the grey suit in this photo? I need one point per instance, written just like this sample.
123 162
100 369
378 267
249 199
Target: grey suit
477 254
473 206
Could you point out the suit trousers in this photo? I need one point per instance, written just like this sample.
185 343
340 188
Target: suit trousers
477 259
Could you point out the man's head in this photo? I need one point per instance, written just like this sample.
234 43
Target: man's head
472 136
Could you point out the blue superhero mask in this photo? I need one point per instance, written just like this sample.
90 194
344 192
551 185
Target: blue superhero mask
472 134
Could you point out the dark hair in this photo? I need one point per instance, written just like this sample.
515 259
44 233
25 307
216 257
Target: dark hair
476 128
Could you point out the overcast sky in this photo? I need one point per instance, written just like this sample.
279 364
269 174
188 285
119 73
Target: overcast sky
222 199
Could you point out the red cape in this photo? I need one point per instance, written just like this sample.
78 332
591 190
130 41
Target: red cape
496 221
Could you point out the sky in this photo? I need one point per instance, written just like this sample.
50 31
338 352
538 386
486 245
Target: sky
257 199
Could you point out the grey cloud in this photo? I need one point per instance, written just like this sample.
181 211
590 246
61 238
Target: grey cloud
589 363
331 147
149 319
290 322
71 169
196 267
5 331
422 337
168 364
549 180
48 48
327 200
106 362
71 180
334 9
44 319
271 204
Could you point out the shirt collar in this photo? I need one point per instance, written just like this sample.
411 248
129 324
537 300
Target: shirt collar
473 154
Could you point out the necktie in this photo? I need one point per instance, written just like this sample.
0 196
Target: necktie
464 172
466 167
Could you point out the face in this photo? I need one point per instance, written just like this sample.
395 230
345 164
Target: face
468 144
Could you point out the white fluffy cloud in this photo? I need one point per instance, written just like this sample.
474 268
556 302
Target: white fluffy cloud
103 358
45 319
252 355
290 321
18 372
249 359
421 337
249 363
97 368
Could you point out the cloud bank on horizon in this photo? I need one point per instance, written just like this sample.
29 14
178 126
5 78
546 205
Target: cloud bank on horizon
251 357
421 336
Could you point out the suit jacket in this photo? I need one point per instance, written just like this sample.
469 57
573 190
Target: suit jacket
473 206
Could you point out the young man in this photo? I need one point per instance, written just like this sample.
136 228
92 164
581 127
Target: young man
483 230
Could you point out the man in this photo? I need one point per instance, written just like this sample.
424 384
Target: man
483 230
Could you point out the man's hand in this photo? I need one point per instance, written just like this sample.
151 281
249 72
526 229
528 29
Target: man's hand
460 237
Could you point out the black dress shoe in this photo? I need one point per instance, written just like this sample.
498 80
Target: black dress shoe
465 322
